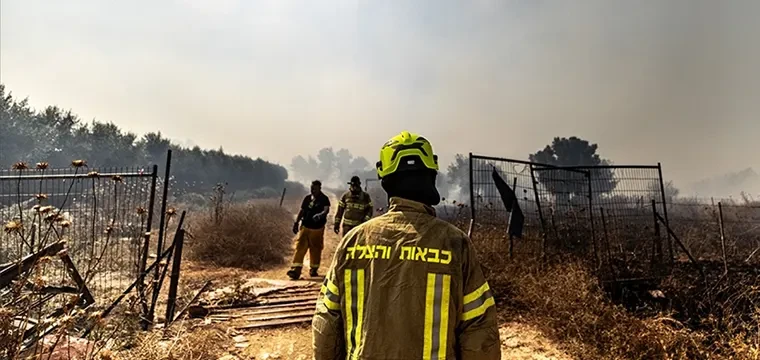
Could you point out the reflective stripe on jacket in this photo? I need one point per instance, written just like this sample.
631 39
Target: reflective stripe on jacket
354 209
405 285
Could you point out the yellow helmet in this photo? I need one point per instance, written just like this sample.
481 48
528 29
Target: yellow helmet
416 151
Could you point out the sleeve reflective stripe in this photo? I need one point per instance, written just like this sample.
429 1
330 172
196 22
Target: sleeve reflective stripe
351 222
436 317
331 296
342 203
477 302
354 286
476 294
332 287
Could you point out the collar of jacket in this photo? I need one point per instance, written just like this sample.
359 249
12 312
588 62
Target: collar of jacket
400 204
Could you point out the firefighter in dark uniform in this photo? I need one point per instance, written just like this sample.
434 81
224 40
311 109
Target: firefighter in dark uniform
354 208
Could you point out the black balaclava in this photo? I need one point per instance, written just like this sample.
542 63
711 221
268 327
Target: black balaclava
415 185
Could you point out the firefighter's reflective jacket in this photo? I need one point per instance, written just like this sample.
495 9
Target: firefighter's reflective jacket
405 285
354 209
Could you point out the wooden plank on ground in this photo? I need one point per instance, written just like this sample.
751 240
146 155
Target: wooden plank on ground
312 302
273 323
277 310
283 316
287 300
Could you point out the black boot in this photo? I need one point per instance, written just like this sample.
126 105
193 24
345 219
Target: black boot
313 272
294 273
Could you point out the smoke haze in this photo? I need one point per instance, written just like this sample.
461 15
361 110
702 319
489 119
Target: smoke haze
670 81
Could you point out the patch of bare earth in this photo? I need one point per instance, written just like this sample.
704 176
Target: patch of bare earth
518 341
522 342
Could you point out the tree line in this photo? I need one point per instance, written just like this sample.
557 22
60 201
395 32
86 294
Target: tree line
58 137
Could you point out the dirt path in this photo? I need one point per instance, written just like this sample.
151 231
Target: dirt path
518 341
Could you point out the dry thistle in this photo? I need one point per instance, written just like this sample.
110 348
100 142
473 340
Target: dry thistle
36 207
46 209
109 230
106 354
141 210
41 196
171 211
79 163
65 224
93 174
20 166
42 165
13 226
50 217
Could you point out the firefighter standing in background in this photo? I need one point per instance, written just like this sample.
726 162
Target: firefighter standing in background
406 285
354 208
310 233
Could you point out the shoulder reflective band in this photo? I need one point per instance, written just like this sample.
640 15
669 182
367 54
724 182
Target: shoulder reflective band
477 302
436 317
331 295
354 287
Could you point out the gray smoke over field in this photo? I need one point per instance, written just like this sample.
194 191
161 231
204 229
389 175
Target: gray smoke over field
650 81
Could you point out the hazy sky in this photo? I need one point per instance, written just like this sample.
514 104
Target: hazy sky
675 81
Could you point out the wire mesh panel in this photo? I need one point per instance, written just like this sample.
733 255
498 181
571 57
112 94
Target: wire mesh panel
624 200
565 195
700 223
101 214
490 216
606 213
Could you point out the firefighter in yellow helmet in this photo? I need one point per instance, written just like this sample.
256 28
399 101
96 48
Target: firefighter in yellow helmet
354 208
406 285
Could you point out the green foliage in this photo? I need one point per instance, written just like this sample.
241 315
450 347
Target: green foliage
573 151
58 137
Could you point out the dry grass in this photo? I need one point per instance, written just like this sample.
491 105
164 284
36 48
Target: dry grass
249 236
566 302
200 344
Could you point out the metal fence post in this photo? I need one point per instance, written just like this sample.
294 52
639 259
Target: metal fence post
722 237
509 223
160 242
174 278
540 212
657 244
472 192
149 225
607 246
146 242
591 218
665 212
282 198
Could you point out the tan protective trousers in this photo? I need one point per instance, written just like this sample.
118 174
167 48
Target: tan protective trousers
311 241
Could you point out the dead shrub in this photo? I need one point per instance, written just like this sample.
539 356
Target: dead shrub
566 302
247 235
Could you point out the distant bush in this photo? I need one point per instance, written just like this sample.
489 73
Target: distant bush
244 235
